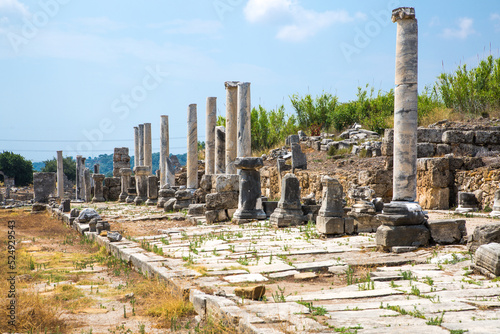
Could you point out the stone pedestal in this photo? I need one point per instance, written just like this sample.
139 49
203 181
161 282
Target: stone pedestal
231 125
363 211
192 149
87 184
289 211
121 159
330 218
164 195
141 184
299 159
98 189
467 202
125 183
137 153
164 150
60 175
250 190
141 145
244 143
496 204
152 190
183 198
210 135
44 186
403 218
148 153
220 150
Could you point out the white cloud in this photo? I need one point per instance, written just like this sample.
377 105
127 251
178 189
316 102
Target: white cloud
190 27
14 7
464 30
296 23
434 21
495 17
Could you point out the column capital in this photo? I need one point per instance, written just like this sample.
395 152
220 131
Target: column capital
403 13
231 84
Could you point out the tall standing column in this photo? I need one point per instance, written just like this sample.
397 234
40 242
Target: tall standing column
60 175
192 149
164 150
403 219
210 135
148 153
141 145
231 125
405 106
137 154
244 148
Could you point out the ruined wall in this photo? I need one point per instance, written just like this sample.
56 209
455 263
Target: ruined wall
483 182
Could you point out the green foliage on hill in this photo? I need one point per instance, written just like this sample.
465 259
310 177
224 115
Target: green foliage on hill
16 166
69 167
472 91
270 128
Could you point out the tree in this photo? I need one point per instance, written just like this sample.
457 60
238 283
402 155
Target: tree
69 167
16 166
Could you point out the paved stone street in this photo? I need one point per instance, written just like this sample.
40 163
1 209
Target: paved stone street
313 284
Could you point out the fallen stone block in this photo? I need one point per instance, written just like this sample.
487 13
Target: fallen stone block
223 200
484 235
196 209
254 292
488 257
449 231
409 235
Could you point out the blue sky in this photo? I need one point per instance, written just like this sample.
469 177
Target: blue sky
78 75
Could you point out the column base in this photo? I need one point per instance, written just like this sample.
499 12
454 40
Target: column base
399 213
287 217
130 199
139 200
151 201
98 200
246 216
122 197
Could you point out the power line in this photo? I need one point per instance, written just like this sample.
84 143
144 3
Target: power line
78 141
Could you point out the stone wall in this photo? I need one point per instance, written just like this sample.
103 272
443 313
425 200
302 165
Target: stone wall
434 142
121 159
483 182
112 188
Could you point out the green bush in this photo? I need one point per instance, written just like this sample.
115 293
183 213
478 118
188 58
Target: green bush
314 111
16 166
269 128
471 91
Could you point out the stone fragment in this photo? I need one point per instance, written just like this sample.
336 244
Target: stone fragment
121 159
458 137
449 231
289 211
214 216
245 278
66 205
98 188
196 209
125 183
220 150
305 276
484 234
206 182
254 292
496 204
74 213
222 200
225 183
425 150
269 207
183 198
87 214
114 236
152 190
169 204
488 257
407 235
467 202
141 184
44 186
299 159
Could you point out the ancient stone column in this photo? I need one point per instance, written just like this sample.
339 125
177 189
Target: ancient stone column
60 175
403 218
98 188
192 149
141 184
97 167
125 183
220 150
244 141
148 153
164 150
231 125
137 154
210 135
79 178
87 186
250 190
141 145
152 190
405 106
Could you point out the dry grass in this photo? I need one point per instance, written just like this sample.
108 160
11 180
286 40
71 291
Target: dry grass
155 299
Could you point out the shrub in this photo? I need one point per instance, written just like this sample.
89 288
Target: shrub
69 167
16 166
